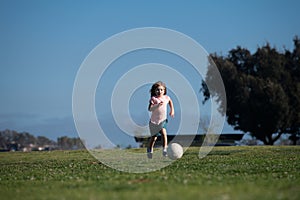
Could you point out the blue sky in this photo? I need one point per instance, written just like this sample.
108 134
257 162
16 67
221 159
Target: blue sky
43 44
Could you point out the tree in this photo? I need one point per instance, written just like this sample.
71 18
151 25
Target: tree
259 98
293 90
44 141
6 138
23 139
66 143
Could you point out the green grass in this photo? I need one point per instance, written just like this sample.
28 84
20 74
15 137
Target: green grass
226 173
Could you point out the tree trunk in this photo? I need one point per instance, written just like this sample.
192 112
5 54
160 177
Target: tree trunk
269 140
294 139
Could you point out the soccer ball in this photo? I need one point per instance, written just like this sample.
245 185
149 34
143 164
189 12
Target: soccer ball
175 151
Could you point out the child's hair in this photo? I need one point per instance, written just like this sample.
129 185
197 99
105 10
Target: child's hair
155 86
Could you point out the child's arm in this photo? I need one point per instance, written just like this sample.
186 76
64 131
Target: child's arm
152 107
172 113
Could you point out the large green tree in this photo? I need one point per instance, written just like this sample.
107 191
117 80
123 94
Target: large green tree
293 90
262 91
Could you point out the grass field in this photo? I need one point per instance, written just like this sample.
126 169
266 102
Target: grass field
226 173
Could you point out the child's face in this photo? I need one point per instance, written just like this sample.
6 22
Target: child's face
160 90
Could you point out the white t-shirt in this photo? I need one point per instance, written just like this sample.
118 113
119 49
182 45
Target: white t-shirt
160 113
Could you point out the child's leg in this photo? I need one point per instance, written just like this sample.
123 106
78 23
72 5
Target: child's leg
151 143
163 133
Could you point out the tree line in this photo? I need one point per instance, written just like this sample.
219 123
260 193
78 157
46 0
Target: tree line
11 140
262 91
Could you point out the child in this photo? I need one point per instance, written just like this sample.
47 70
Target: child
158 122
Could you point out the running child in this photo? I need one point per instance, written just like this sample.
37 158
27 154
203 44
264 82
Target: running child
158 121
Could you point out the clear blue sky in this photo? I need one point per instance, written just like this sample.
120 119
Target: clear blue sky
44 42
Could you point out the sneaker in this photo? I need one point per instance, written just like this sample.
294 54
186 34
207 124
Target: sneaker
149 153
165 154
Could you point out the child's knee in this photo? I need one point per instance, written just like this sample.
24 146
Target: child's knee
154 138
163 131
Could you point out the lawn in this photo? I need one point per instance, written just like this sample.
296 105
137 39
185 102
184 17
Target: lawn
260 172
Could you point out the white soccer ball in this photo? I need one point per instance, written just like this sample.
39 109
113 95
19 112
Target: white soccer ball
175 151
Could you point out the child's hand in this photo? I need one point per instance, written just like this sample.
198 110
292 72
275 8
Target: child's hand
154 105
172 114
